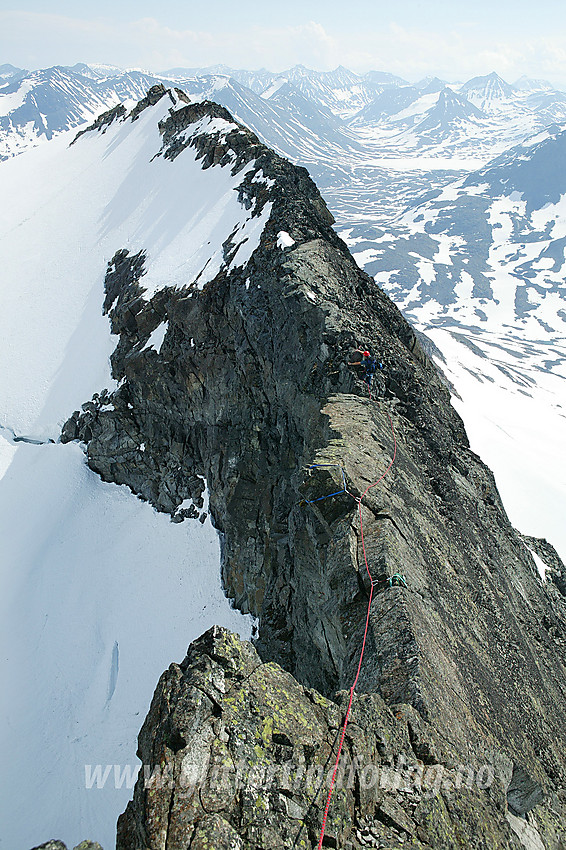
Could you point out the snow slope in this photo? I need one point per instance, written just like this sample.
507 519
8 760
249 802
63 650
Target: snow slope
35 106
511 394
71 209
98 592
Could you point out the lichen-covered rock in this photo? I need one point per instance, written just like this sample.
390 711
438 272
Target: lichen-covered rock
88 845
237 754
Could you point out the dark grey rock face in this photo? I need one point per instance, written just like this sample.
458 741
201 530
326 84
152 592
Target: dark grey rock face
250 389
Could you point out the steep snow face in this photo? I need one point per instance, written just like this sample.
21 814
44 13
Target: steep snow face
510 392
98 592
71 208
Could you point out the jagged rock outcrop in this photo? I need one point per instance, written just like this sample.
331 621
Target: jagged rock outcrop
237 754
58 845
249 389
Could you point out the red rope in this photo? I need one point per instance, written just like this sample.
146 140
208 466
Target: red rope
352 689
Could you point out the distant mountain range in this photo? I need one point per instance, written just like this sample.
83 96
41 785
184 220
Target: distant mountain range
305 115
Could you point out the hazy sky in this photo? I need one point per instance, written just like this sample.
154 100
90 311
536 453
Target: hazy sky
450 38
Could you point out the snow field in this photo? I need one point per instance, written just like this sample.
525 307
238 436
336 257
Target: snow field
99 594
73 208
520 435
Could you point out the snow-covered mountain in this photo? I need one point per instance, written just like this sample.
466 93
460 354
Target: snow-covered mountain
37 105
449 111
425 119
339 91
8 72
481 118
333 115
87 569
491 94
479 266
428 85
283 117
257 81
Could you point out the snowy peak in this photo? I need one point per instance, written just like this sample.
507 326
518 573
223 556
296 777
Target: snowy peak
175 181
95 71
451 106
491 93
451 114
341 77
7 71
256 81
429 85
422 118
491 85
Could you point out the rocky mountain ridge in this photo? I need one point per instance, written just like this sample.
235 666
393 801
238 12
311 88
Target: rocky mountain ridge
249 389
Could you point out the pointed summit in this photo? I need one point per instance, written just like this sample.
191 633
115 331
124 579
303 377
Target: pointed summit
429 85
491 93
491 84
450 107
340 77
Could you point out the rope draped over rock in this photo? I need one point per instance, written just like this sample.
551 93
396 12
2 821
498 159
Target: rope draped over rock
395 579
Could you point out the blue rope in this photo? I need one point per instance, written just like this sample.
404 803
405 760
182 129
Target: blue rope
338 492
320 498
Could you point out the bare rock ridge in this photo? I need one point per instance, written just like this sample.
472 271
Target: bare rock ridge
249 390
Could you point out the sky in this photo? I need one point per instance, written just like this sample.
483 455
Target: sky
448 38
